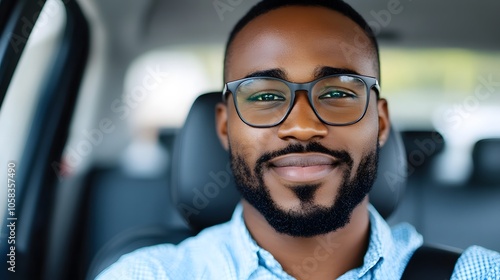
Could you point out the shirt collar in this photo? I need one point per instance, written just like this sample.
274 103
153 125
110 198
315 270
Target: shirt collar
380 244
249 252
250 255
245 245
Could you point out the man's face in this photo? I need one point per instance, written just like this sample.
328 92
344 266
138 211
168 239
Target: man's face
303 176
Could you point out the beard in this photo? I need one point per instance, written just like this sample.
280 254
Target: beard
311 219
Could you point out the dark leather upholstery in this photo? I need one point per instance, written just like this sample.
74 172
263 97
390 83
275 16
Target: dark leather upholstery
431 262
486 162
203 188
422 147
125 213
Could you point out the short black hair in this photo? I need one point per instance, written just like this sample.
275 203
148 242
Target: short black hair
336 5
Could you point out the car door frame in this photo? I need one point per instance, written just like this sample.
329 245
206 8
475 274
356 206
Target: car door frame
36 179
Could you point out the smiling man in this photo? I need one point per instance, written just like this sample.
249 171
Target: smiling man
303 120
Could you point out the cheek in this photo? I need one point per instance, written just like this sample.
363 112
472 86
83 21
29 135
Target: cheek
361 138
370 123
368 126
245 140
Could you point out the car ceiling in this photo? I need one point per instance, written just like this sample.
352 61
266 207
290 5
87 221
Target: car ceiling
135 26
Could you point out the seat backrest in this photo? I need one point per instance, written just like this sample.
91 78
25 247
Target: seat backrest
203 188
486 162
124 213
422 148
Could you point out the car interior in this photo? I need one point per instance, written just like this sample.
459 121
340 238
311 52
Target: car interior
108 135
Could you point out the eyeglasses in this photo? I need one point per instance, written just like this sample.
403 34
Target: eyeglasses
336 100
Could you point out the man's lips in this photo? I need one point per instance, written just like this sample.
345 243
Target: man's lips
302 168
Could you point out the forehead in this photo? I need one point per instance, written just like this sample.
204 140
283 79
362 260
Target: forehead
298 40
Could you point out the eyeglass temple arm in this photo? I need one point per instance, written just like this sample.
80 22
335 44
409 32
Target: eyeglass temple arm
224 93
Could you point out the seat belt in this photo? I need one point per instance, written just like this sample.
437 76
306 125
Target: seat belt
431 263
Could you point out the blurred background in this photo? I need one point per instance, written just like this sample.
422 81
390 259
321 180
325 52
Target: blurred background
150 59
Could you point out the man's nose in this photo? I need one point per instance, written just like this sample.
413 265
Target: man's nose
302 123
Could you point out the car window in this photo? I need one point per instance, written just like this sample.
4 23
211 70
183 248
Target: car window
188 72
454 91
158 89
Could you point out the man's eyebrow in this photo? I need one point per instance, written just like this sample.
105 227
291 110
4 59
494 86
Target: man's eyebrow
319 72
274 73
324 71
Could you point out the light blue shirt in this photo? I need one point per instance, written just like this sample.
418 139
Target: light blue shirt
227 251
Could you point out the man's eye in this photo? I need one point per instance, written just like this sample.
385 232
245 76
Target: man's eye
336 94
266 97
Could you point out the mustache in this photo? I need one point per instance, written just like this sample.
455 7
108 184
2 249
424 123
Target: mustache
312 147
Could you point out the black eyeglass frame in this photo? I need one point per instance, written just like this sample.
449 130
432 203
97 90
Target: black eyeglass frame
370 82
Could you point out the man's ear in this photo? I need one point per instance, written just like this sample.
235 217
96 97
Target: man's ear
221 124
384 124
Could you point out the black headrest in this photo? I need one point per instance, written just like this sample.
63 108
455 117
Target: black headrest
421 147
486 162
203 188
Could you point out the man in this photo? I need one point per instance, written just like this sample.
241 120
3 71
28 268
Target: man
303 120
